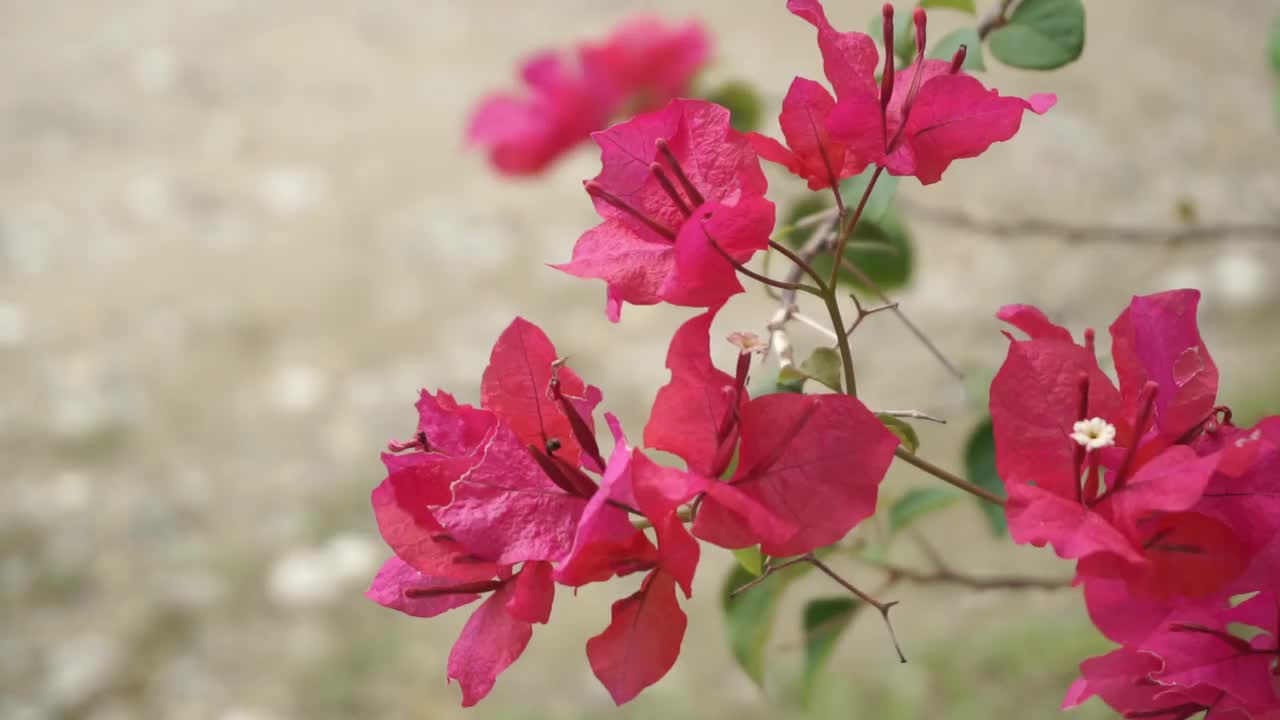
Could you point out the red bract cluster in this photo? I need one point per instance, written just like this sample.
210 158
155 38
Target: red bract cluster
915 123
1171 512
640 66
681 193
515 496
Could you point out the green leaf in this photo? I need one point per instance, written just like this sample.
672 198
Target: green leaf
951 42
825 620
901 428
790 380
1040 35
743 102
882 250
980 466
804 207
751 559
824 365
750 615
852 188
1275 45
880 246
918 502
962 5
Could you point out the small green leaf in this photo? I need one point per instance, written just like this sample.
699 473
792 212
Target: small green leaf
804 207
790 380
901 428
980 466
962 5
880 246
1275 45
1040 35
918 502
825 620
951 42
882 250
750 615
751 559
852 188
824 365
743 102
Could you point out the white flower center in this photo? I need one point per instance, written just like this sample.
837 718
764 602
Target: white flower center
1094 433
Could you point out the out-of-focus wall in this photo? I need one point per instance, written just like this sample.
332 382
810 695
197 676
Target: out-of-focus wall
237 237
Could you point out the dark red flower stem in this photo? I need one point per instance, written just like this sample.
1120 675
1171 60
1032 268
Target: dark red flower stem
661 176
1146 403
957 60
595 190
920 19
565 476
781 285
800 262
459 589
1082 413
581 432
694 196
886 77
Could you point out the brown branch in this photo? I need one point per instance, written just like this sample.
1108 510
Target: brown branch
768 571
948 476
1086 234
865 312
913 414
882 608
994 20
902 317
995 582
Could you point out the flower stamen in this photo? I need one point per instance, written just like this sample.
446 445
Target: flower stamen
1094 434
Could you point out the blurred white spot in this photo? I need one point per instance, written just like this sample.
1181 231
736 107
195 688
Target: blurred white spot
1181 278
156 69
296 389
79 668
13 325
69 492
354 556
301 578
193 590
149 197
289 191
1241 279
246 713
312 576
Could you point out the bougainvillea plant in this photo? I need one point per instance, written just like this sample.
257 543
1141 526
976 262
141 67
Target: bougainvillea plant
1129 468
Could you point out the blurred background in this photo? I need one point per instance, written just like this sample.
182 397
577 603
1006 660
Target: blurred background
236 238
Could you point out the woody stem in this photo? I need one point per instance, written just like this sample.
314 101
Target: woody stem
948 477
847 231
882 607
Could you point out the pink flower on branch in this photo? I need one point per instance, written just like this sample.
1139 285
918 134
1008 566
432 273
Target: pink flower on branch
679 190
640 66
1109 476
914 123
814 462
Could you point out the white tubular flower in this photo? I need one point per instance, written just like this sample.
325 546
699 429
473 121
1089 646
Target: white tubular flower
1094 433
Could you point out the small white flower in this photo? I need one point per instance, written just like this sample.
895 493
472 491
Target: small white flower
1094 433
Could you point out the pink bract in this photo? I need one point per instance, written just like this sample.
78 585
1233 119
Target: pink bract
913 123
674 184
567 96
